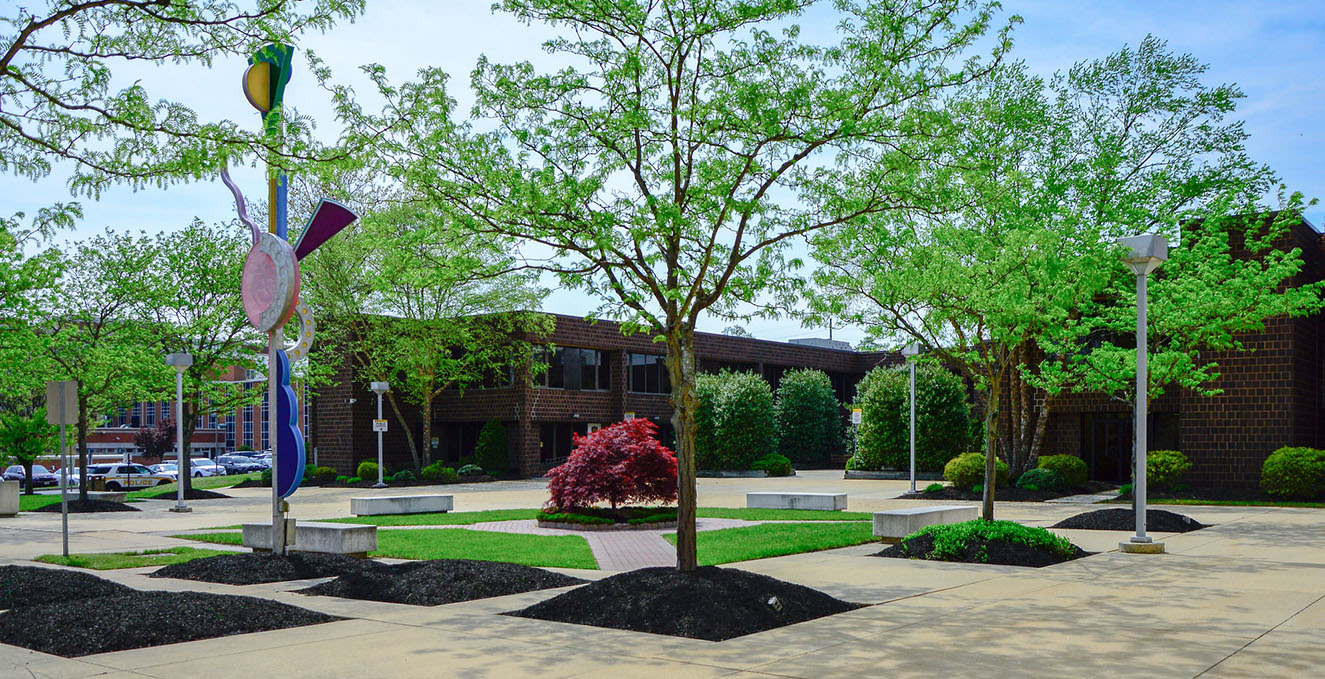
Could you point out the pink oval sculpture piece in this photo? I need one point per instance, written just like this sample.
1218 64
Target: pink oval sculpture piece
270 282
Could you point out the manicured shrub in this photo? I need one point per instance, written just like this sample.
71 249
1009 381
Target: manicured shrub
1164 468
324 474
265 478
1294 473
1070 468
951 540
942 418
343 478
933 488
618 464
774 464
968 469
808 417
492 452
353 479
1125 489
439 473
404 476
470 470
735 423
1040 479
366 470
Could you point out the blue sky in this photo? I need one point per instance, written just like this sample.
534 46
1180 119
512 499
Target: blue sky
1270 49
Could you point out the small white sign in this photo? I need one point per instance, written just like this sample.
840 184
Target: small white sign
62 395
379 425
856 415
630 416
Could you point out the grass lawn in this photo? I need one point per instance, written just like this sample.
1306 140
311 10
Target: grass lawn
561 551
149 557
758 542
442 518
200 483
30 503
781 514
1227 503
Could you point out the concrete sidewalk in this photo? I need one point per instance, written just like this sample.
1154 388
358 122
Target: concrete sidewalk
1244 598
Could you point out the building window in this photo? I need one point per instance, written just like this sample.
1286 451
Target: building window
648 374
165 410
149 415
574 368
556 440
458 439
714 367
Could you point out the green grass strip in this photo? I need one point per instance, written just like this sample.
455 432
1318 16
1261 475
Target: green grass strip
729 545
781 514
148 557
199 483
441 518
217 538
31 503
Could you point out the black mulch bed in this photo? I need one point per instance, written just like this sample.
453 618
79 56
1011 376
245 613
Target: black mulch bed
440 581
711 603
1157 520
979 550
89 506
1005 494
255 568
25 586
193 494
137 619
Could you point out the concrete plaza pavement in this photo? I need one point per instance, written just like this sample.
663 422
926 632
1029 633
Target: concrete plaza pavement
1243 598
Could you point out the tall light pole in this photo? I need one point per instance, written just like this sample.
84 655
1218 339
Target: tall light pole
379 388
910 351
1145 255
181 362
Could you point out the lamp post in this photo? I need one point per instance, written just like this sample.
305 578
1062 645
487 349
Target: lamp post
910 351
379 388
181 362
1145 255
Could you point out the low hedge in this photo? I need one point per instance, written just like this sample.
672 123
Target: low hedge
366 470
1040 479
951 540
437 472
1294 473
968 469
1071 469
774 464
1165 468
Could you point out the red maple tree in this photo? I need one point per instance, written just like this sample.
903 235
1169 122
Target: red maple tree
618 464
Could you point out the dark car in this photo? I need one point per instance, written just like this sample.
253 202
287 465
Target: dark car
239 464
41 476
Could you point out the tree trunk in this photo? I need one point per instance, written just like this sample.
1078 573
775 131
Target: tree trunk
27 477
991 440
82 445
1041 424
680 363
426 443
186 446
409 435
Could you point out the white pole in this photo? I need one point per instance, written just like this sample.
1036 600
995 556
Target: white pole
1139 484
179 442
277 516
913 426
380 482
64 479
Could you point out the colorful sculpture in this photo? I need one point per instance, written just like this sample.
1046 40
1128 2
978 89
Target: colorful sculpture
270 283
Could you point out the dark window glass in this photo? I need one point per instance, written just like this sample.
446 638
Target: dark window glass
556 440
648 374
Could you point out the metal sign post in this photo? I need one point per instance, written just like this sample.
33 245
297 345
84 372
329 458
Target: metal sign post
62 409
379 426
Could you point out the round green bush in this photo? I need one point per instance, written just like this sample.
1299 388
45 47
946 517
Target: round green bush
808 416
942 418
366 470
265 478
968 469
734 423
440 474
404 476
1164 468
1070 468
470 470
1294 473
775 465
492 452
1040 479
324 474
343 478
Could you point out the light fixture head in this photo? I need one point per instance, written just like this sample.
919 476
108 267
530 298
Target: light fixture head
912 349
380 388
180 360
1145 252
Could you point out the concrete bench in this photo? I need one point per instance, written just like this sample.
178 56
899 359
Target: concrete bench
9 498
317 536
108 495
895 524
820 501
401 504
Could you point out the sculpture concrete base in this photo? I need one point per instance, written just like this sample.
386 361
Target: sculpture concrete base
1129 547
317 536
401 504
9 498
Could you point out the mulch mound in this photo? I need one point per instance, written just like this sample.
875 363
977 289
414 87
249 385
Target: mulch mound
440 581
26 586
979 550
1008 494
255 568
1157 520
711 603
138 619
197 494
89 507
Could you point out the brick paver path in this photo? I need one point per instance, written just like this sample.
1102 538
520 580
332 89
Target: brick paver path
617 550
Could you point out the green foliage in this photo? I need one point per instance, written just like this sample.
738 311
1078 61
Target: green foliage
951 540
265 478
366 470
404 476
942 418
978 488
324 474
1125 489
774 464
1297 473
968 469
492 452
735 423
1040 479
24 438
470 470
354 479
808 416
440 473
933 488
1070 468
342 478
573 517
1165 468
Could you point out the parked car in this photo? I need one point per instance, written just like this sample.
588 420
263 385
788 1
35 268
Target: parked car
166 469
41 476
117 477
201 466
239 464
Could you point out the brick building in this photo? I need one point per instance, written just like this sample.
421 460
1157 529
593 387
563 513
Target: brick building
597 376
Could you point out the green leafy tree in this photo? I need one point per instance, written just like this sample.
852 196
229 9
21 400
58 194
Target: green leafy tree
26 437
942 418
735 424
669 169
809 418
28 268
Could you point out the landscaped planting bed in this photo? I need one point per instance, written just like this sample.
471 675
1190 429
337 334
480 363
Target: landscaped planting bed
591 518
743 543
1157 520
171 493
255 568
979 541
27 586
1003 493
88 507
710 603
441 581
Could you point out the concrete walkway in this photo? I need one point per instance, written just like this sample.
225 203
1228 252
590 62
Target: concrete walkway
1243 598
616 550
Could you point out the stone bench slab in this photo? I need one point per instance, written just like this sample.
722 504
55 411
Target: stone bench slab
401 504
317 536
896 524
819 501
109 495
